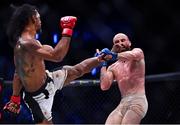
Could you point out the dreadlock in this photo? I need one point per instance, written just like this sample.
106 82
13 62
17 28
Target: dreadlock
18 21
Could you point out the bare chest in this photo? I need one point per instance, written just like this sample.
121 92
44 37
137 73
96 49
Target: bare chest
123 68
128 68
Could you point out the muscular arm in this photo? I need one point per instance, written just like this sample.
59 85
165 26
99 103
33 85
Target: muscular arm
80 69
47 52
135 54
17 85
106 78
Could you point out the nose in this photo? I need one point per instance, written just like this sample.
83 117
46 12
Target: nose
117 41
122 45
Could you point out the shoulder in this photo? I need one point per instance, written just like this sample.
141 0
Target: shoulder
139 50
110 68
30 43
47 47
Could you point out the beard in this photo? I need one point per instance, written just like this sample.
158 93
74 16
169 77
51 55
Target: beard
126 49
118 49
39 30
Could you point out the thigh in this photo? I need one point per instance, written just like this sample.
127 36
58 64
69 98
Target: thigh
136 111
46 107
114 118
35 109
117 114
131 117
59 78
40 107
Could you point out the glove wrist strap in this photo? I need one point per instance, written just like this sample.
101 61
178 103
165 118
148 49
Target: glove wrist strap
67 32
115 56
103 64
16 99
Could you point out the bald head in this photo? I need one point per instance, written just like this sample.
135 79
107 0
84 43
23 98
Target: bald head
120 36
121 43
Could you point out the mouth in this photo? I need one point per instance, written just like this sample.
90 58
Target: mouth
116 48
121 47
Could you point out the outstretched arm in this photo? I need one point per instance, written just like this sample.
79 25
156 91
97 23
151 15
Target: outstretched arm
135 54
80 69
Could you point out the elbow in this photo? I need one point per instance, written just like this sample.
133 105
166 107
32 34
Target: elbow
138 54
104 86
141 54
58 58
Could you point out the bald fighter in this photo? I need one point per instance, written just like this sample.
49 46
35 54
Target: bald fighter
129 72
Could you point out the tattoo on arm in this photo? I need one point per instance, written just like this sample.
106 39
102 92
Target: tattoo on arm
110 69
102 75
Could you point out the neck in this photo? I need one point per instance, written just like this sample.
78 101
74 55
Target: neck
29 32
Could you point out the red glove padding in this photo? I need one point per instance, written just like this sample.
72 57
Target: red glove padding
67 23
13 105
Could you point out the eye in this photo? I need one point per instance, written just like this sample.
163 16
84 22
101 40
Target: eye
117 41
122 40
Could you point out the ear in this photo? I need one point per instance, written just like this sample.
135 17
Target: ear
129 43
33 19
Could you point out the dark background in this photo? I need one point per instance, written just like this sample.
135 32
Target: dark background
153 25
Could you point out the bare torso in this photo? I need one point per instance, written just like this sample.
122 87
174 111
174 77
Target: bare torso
130 76
30 68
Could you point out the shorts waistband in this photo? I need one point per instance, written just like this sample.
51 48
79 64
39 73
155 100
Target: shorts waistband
42 88
134 95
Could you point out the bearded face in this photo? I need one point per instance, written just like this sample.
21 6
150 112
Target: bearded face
37 21
121 43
